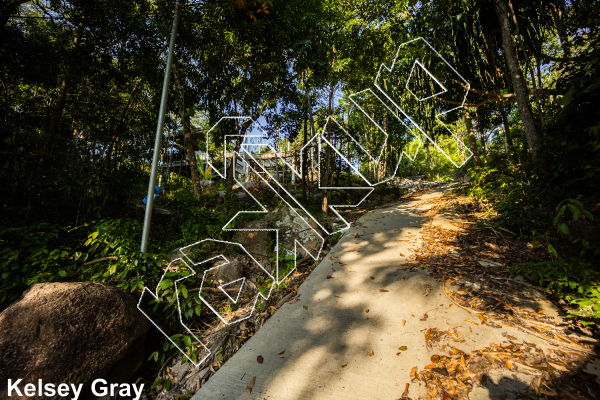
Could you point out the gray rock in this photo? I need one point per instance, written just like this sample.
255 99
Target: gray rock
228 271
293 226
207 184
255 242
72 333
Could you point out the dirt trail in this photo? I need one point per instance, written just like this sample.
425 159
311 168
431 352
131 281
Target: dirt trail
364 326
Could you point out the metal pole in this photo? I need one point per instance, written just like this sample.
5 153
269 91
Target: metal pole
159 131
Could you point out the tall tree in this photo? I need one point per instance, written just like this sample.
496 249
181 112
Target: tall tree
517 77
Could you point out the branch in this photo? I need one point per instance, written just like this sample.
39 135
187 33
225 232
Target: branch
85 264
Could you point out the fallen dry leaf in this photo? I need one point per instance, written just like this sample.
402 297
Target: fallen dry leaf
430 366
482 317
367 310
557 366
372 277
508 365
251 385
405 394
511 337
371 354
279 354
344 366
305 307
403 348
473 322
260 359
401 255
403 322
425 316
329 277
383 290
413 373
435 358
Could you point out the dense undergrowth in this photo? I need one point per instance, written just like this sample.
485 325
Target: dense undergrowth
555 206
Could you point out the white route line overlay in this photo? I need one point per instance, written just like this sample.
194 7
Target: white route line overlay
318 138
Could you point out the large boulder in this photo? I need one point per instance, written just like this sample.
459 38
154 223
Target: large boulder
255 242
70 333
292 227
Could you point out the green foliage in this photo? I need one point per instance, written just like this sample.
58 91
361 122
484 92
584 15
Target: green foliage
576 281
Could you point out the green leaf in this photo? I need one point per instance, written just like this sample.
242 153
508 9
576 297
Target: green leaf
187 341
587 215
564 228
576 202
62 273
156 383
167 385
184 291
165 284
198 309
552 250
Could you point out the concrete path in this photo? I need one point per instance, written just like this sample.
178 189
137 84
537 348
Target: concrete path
320 346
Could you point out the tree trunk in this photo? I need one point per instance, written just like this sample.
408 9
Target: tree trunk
483 153
312 134
328 170
518 80
187 131
507 134
471 137
304 153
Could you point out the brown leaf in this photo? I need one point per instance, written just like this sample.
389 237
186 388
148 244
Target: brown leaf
329 277
405 394
425 316
372 277
260 359
371 354
401 255
462 361
435 358
403 322
473 322
367 310
482 317
404 277
403 348
383 290
344 366
249 390
447 396
441 371
508 365
305 307
511 337
413 373
557 366
252 381
280 354
430 366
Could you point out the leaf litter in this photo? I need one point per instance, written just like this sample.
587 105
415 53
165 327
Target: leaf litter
496 300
